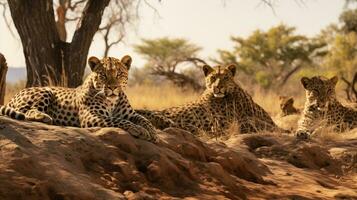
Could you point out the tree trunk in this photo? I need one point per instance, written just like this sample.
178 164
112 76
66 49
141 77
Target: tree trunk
61 11
351 90
286 77
3 71
49 60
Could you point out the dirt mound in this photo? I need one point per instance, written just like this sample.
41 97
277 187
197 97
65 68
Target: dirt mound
49 162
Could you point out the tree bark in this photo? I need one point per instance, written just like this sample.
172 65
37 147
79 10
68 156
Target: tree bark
3 71
351 90
289 74
61 11
49 60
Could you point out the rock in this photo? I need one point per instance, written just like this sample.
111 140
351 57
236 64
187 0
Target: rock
39 161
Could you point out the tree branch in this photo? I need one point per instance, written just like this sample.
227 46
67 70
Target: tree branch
7 23
86 28
351 88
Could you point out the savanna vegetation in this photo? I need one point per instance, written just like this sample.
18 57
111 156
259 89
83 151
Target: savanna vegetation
40 160
269 62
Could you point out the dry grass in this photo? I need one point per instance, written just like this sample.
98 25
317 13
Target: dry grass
164 96
158 97
167 95
143 96
327 134
12 89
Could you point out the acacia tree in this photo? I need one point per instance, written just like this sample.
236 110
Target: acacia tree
170 58
118 15
342 52
349 21
52 58
272 56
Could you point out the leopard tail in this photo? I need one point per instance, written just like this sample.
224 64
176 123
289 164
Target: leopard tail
10 112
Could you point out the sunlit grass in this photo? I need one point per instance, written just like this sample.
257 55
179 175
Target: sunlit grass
12 89
158 97
167 95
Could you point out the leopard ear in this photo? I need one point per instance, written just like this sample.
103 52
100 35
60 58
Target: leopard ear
93 62
334 80
305 82
232 68
126 60
207 69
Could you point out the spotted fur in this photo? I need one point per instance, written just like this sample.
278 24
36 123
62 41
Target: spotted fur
322 106
222 103
99 102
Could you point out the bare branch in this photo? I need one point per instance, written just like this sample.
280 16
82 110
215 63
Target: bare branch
351 90
68 19
75 5
7 22
119 15
152 7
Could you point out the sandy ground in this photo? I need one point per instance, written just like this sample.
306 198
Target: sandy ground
59 163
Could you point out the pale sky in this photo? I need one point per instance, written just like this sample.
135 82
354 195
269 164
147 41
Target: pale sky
207 23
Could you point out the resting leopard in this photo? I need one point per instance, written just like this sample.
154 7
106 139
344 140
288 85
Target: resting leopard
322 106
287 106
222 103
99 102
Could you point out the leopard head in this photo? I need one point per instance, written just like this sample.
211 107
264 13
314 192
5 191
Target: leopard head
110 74
220 80
319 90
286 102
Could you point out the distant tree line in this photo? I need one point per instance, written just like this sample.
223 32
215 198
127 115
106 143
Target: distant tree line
56 55
269 58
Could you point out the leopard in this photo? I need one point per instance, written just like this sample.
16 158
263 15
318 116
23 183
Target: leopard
287 106
99 102
222 103
322 108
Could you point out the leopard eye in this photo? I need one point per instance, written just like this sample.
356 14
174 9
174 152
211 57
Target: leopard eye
315 91
102 76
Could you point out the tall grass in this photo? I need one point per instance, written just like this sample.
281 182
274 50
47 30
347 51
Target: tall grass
150 96
140 96
12 89
158 96
166 95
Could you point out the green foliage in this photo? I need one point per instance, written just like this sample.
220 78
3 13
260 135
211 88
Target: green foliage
172 58
166 52
271 57
349 20
342 56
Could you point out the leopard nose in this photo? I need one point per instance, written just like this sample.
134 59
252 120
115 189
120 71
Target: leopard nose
111 87
218 90
321 104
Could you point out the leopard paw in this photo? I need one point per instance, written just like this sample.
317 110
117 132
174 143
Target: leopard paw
152 135
142 133
303 135
41 117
